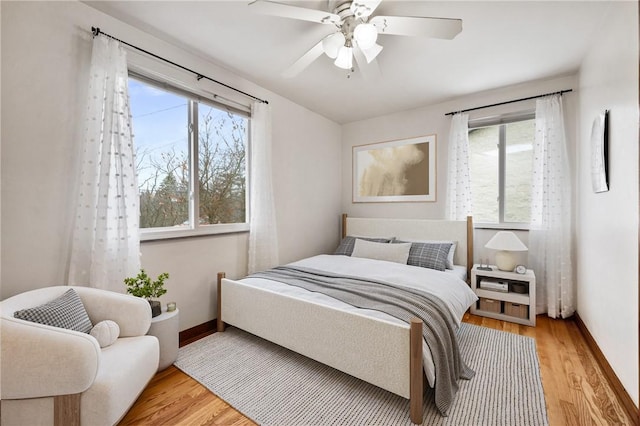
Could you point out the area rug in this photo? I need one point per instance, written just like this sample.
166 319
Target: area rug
274 386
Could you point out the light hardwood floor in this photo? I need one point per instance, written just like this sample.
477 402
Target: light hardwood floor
576 391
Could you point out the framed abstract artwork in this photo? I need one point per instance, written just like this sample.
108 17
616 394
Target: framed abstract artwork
600 153
395 171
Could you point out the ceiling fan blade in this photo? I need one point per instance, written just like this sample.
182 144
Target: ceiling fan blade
305 60
443 28
287 11
364 8
369 69
371 53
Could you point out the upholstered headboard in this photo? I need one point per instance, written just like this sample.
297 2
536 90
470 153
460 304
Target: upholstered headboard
417 229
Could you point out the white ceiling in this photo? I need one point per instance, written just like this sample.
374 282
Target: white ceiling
502 43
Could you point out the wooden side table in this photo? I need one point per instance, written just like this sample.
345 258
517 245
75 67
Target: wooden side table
518 307
166 327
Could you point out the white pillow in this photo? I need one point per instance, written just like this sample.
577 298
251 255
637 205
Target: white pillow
398 253
106 332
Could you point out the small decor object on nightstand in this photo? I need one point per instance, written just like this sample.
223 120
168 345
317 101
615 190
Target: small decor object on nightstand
171 306
521 269
483 267
142 286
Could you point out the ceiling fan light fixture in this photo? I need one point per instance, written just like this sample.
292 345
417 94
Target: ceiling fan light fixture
332 44
355 27
345 58
371 53
365 35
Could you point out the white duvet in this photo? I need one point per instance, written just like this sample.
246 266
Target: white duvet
447 285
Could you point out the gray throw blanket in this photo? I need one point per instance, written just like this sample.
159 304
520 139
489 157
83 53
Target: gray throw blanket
439 329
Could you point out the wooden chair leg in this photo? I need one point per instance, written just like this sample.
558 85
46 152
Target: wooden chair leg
219 322
415 370
66 410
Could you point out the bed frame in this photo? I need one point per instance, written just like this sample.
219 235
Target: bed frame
382 353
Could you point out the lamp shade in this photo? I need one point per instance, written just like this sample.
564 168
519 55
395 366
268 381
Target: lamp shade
345 58
506 240
366 35
332 43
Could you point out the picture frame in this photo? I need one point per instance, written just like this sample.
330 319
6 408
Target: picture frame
600 153
401 170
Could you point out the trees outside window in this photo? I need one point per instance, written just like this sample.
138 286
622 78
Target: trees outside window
190 157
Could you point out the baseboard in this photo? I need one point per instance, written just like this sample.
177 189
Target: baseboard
192 334
618 388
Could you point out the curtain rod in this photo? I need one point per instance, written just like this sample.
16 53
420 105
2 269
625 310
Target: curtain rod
510 102
96 31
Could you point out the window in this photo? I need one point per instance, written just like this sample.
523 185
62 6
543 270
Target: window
500 154
191 161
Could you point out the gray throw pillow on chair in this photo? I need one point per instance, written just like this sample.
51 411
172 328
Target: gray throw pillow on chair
66 311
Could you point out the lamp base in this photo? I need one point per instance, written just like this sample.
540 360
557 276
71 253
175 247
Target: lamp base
505 261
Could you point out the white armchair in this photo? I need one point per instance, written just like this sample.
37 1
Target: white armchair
51 375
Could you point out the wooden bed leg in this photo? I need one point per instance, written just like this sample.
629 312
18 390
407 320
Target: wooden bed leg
344 225
415 371
66 410
219 322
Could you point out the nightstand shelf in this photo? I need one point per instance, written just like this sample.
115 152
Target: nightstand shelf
507 306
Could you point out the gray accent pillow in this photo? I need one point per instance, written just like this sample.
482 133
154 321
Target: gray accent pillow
348 243
67 311
452 250
428 255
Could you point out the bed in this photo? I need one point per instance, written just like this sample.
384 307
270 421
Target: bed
365 343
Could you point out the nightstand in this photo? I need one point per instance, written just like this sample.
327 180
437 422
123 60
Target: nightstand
166 327
517 304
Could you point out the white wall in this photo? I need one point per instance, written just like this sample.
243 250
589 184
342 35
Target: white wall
432 120
45 55
607 228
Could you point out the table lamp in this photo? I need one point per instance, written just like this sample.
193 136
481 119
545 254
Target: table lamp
505 242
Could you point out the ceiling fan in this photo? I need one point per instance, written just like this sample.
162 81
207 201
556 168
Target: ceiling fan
356 31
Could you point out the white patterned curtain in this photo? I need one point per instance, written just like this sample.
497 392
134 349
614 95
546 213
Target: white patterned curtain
106 242
263 238
550 234
459 204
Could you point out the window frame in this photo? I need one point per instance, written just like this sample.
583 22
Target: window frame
502 120
195 229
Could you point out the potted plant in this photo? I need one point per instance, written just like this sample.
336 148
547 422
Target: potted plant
142 286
